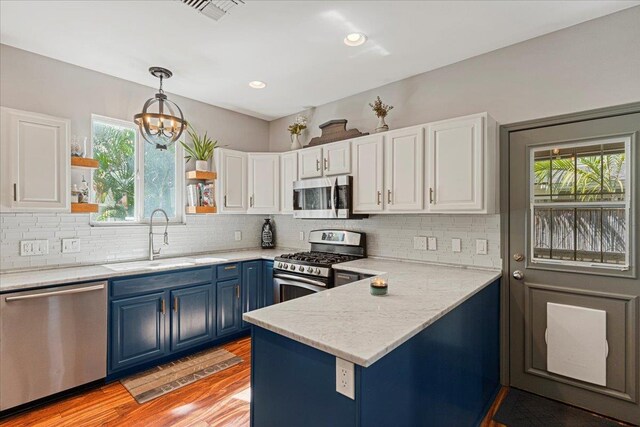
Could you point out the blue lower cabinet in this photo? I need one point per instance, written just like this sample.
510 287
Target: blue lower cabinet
228 319
267 283
192 316
252 290
138 329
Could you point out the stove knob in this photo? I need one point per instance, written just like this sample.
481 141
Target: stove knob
301 269
279 265
317 271
292 267
285 266
309 270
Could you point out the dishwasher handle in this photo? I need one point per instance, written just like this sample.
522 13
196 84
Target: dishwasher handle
56 293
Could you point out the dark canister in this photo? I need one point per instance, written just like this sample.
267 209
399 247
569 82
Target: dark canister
268 237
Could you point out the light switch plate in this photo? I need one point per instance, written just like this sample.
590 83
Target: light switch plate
456 245
432 244
34 247
70 246
420 243
238 235
345 378
481 246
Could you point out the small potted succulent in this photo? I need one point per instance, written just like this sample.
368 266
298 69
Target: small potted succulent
381 111
295 129
202 149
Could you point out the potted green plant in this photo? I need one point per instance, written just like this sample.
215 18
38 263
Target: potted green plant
202 149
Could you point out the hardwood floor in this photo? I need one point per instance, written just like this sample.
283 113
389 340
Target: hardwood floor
216 400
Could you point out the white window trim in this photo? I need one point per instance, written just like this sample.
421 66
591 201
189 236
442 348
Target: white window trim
626 204
179 218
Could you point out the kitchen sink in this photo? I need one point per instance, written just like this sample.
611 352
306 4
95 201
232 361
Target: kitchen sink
162 264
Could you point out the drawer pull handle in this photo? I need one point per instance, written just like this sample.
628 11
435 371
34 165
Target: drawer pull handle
326 164
175 304
317 164
237 292
431 195
389 196
231 267
163 307
379 197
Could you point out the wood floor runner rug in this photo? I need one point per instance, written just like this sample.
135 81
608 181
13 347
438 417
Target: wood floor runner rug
163 379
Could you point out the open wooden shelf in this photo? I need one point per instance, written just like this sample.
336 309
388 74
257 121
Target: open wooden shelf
201 210
84 207
84 162
202 175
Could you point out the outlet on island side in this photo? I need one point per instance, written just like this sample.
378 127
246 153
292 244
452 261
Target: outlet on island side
301 236
238 235
345 378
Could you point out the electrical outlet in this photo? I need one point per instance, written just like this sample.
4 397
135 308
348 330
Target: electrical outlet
420 243
301 235
70 246
456 245
34 247
238 235
431 244
481 246
345 378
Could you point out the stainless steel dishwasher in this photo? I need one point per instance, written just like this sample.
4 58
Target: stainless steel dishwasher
51 340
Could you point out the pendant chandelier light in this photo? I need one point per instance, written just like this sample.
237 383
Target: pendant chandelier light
164 126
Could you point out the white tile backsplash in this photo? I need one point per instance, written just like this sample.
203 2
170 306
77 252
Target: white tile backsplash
387 236
392 236
117 243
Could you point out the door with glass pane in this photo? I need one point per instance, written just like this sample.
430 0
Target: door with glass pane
573 277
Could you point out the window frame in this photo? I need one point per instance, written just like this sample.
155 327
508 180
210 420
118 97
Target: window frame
179 218
626 204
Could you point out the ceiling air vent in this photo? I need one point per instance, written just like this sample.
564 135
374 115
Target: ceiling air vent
214 9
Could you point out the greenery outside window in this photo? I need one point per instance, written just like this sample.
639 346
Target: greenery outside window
133 178
580 204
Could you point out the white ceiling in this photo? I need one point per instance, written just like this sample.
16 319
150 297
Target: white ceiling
294 46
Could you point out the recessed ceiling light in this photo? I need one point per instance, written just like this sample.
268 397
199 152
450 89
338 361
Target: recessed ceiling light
257 84
355 39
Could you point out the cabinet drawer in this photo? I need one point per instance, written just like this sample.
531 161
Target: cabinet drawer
227 271
156 282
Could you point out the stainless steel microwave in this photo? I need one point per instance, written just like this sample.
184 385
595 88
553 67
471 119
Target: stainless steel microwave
328 197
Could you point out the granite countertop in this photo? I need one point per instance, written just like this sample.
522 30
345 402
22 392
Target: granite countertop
33 279
349 323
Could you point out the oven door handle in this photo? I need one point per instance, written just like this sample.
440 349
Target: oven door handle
299 279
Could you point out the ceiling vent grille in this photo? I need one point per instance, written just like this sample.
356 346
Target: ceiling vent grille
214 9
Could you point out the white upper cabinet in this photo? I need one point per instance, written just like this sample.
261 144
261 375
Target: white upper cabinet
310 162
368 183
36 172
231 194
462 165
330 159
337 158
288 174
264 183
404 169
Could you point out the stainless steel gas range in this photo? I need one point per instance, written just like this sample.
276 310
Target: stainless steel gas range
304 273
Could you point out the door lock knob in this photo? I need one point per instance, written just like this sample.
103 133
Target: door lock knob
518 257
518 275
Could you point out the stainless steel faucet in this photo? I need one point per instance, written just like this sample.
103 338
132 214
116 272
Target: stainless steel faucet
153 254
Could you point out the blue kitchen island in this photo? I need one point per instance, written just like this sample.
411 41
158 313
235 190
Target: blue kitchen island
427 354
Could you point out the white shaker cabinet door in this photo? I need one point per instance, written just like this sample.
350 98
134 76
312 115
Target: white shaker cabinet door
264 183
456 165
404 169
310 162
368 167
232 177
337 158
36 174
288 174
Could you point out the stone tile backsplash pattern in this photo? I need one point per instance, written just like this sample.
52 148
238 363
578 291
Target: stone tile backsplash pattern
387 235
392 236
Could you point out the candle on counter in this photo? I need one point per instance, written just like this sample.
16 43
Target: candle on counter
379 286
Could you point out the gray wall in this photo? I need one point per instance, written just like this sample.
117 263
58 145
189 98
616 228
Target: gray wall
36 83
590 65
